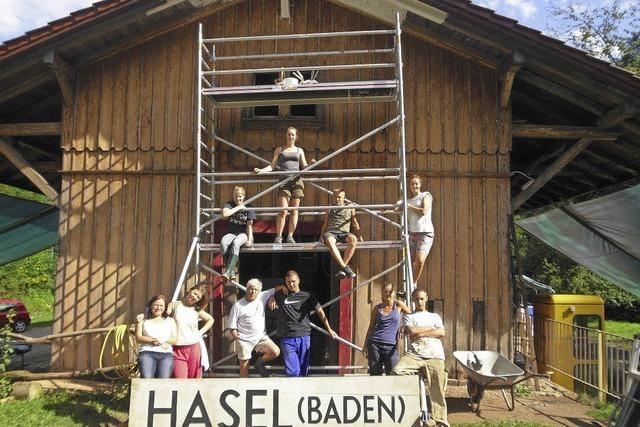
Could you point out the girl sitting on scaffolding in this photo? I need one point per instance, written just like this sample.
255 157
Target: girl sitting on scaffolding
239 233
288 159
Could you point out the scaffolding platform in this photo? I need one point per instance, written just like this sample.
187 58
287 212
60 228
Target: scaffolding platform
315 93
308 246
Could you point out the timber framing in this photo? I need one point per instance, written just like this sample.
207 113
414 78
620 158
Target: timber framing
561 132
550 172
65 75
507 75
38 70
30 129
9 151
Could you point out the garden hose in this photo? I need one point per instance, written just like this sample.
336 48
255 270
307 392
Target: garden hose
123 352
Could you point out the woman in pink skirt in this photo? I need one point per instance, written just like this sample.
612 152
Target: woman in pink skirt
186 352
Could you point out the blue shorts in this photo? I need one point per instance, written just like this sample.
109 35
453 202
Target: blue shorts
296 355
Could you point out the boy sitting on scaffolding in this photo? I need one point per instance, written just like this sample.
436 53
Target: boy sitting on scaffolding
336 228
239 233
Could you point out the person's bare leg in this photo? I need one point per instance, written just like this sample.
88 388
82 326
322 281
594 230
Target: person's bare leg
244 368
418 265
282 202
269 351
293 219
352 241
333 250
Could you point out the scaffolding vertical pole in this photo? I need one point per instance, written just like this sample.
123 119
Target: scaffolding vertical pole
403 162
198 141
408 276
212 163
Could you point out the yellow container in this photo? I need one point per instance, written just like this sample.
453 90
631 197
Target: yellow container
568 343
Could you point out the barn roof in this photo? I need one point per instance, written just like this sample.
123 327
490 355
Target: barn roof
570 92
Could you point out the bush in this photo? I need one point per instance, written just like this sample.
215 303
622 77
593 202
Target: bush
6 350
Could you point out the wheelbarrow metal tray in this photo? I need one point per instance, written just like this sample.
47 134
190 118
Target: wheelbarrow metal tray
493 369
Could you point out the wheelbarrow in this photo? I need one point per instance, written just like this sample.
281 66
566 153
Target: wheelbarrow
489 370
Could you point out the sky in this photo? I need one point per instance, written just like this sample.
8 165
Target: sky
19 16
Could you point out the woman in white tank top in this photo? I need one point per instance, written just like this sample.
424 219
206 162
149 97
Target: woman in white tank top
156 332
421 231
188 312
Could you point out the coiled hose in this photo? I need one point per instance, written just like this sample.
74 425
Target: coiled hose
124 351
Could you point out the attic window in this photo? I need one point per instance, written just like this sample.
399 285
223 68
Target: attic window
281 116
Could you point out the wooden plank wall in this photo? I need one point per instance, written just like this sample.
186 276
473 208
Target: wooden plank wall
124 235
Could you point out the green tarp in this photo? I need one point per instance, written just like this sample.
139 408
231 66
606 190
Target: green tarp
602 234
26 228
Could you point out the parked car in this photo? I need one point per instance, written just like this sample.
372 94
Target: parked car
21 319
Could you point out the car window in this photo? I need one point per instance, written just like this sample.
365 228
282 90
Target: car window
6 306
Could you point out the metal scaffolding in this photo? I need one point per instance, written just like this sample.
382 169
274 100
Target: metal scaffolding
215 96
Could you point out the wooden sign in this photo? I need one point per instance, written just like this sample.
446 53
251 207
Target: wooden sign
275 402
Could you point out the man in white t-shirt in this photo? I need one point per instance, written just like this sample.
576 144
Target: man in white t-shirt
246 324
426 354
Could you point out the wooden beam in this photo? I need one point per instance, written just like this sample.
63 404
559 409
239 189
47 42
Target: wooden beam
618 115
65 75
561 132
30 129
549 173
9 151
508 73
422 30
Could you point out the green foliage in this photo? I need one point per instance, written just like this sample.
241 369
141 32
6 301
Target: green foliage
506 423
624 329
523 390
601 411
6 350
549 266
610 31
32 280
62 408
24 194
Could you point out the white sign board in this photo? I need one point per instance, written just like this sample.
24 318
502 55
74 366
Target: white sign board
275 402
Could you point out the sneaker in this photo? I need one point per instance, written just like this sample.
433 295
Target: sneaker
289 239
278 240
350 274
260 368
341 274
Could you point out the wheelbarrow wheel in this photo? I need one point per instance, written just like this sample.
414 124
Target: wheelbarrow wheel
476 393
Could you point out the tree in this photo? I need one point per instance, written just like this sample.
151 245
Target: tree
610 32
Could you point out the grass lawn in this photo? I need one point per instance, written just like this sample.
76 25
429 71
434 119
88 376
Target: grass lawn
622 328
502 424
38 301
62 408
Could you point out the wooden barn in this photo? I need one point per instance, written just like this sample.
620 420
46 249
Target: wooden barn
99 111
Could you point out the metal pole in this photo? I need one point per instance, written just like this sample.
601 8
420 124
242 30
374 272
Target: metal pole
375 214
300 68
403 159
307 171
304 54
309 208
366 282
198 139
299 36
310 180
409 286
313 325
323 160
185 268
